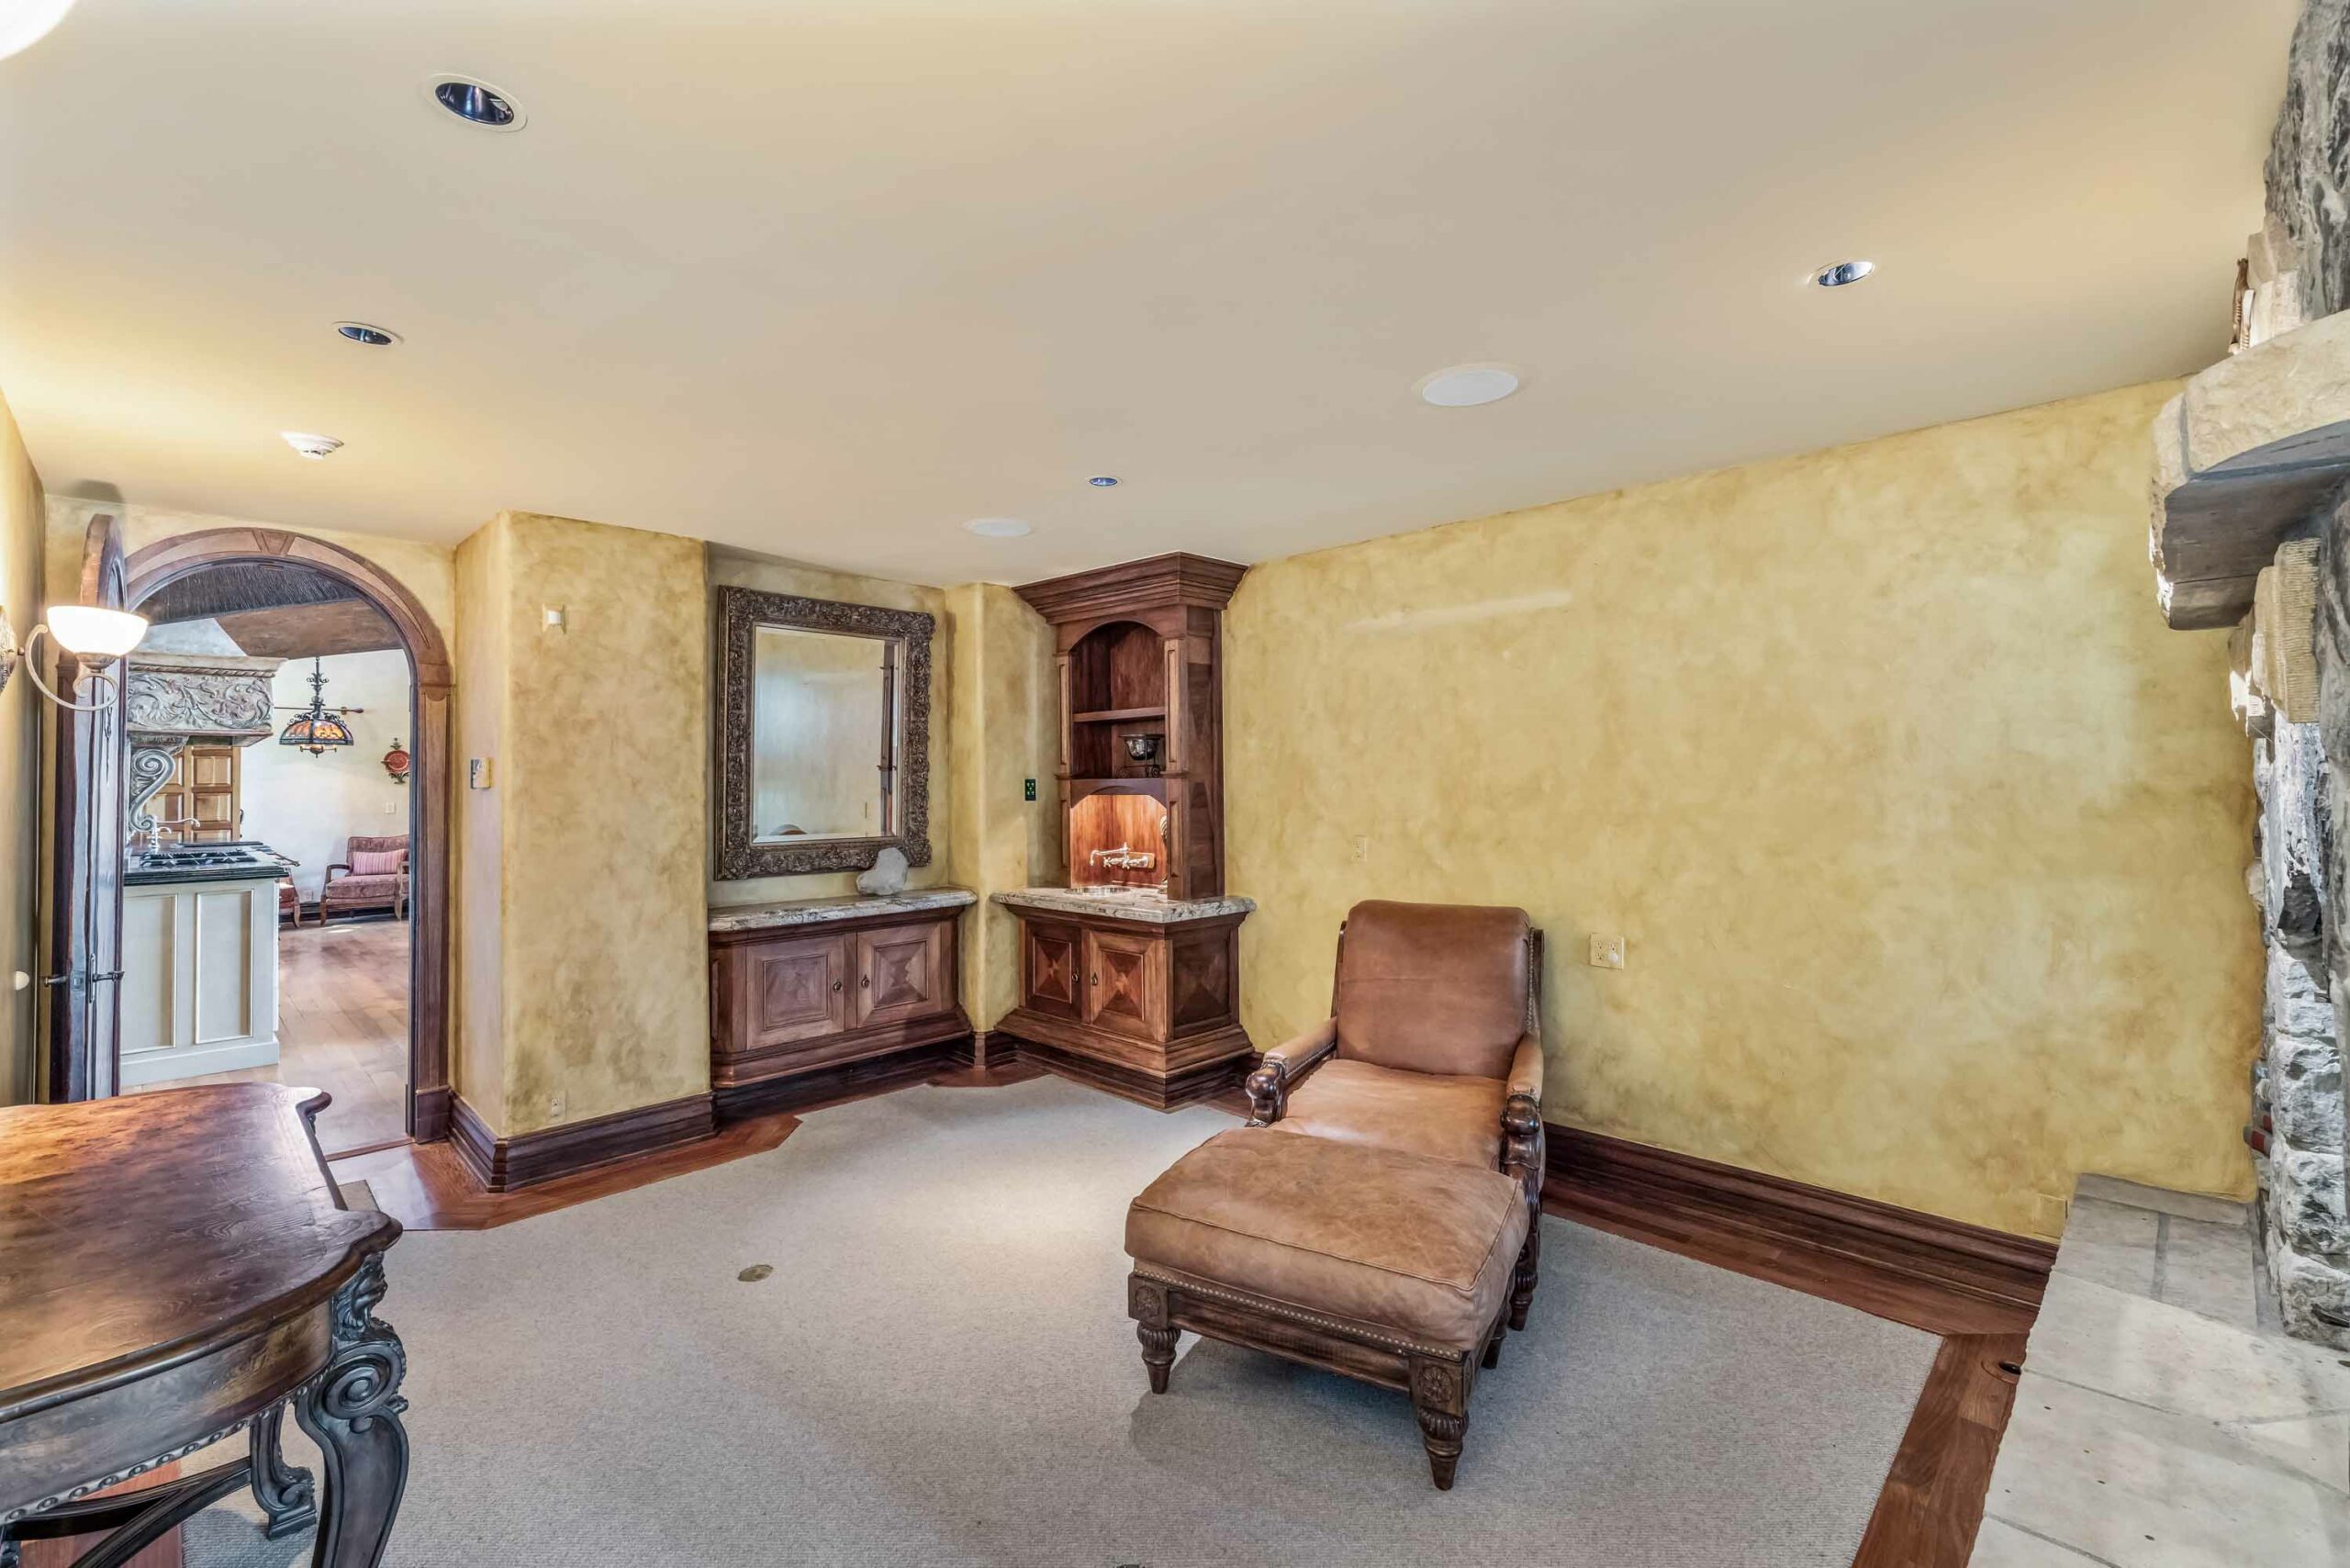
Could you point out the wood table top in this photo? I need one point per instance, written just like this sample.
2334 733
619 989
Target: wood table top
140 1232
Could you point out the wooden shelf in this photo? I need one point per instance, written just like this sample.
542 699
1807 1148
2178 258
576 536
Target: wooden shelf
1116 715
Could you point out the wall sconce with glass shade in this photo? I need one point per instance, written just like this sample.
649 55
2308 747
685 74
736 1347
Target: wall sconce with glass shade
24 23
96 637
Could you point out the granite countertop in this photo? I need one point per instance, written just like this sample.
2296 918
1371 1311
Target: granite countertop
1124 903
818 911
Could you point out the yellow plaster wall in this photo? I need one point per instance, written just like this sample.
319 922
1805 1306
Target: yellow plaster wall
1005 689
603 764
1927 837
477 858
22 529
733 569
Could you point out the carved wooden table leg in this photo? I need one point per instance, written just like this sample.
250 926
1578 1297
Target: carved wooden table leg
1441 1399
352 1412
286 1493
1146 1304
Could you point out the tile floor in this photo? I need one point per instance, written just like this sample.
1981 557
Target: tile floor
2162 1420
341 1027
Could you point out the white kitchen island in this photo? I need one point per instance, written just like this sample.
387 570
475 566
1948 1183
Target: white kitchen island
199 963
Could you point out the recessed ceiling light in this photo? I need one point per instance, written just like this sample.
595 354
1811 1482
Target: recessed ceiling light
476 103
26 22
1466 386
361 332
997 527
1103 481
311 447
1839 274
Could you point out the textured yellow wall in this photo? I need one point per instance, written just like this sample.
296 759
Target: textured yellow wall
1006 694
22 529
731 569
602 766
478 860
1926 835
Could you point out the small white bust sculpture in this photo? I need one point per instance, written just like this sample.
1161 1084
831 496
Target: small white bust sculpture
888 876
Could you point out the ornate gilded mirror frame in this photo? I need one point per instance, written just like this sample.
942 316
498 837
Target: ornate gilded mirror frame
740 612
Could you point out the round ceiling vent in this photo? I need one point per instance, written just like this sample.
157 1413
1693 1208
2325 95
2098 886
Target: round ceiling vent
997 527
1467 385
476 103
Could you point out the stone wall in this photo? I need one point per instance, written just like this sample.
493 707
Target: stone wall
2297 1099
2309 163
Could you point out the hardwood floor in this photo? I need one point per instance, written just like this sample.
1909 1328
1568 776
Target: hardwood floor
341 1027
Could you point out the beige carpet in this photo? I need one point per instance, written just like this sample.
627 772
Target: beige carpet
940 1371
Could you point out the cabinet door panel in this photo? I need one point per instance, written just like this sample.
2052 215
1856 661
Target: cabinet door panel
1126 985
902 974
1048 973
794 991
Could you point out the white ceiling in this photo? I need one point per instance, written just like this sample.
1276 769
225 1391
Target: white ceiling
826 279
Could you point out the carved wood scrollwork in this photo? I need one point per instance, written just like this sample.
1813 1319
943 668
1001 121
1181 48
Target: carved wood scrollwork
741 612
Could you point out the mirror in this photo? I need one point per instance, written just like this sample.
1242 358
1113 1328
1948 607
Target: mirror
823 734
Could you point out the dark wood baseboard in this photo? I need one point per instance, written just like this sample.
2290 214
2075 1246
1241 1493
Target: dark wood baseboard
509 1164
1941 1275
432 1114
1187 1086
987 1048
849 1080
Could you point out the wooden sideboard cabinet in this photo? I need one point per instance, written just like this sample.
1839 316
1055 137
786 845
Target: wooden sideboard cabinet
812 999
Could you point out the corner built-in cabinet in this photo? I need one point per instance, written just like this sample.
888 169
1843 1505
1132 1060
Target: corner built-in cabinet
812 999
1130 974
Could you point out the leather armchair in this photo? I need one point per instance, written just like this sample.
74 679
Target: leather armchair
1434 1046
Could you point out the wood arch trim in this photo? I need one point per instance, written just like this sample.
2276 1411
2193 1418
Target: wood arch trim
168 560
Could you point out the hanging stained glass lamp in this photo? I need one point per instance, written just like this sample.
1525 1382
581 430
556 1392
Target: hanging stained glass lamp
317 727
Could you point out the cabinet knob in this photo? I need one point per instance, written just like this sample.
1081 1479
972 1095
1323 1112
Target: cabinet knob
1094 980
865 982
836 985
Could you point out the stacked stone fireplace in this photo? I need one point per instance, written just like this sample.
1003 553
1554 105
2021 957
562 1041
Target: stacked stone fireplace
2252 534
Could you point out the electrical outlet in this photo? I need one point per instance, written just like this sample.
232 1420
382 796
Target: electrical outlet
1606 952
1363 848
2048 1213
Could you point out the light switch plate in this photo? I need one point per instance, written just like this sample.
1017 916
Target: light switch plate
1606 952
477 773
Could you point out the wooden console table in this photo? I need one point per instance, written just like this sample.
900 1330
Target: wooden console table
175 1268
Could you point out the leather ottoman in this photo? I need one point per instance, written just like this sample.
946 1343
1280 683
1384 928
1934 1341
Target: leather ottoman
1388 1267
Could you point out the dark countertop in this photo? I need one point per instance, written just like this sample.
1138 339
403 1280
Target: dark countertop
239 862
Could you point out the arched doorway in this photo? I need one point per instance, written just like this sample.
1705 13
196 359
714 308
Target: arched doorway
148 570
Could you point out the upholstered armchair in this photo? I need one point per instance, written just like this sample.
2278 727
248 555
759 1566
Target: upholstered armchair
374 877
1434 1046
